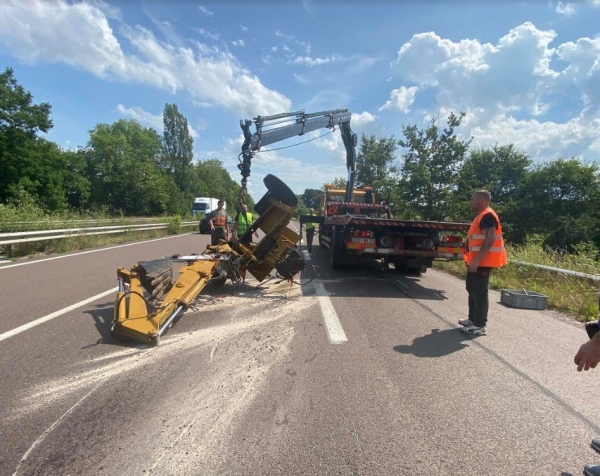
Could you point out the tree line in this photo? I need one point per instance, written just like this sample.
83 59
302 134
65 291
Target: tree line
557 202
124 167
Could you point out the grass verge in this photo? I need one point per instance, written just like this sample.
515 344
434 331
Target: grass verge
576 296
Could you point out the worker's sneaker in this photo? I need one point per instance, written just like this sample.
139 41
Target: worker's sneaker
591 470
465 322
596 444
476 331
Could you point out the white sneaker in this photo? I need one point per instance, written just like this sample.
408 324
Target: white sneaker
475 331
465 322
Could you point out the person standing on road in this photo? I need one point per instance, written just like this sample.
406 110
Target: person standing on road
243 220
484 252
310 231
219 224
588 357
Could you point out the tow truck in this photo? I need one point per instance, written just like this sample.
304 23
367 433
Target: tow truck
352 225
148 303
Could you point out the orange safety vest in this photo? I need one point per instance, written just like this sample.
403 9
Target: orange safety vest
496 256
219 220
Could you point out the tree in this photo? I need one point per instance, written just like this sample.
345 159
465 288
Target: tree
220 184
26 161
178 146
312 197
561 200
375 164
123 168
500 170
431 166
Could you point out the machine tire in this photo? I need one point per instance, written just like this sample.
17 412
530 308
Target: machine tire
280 191
219 279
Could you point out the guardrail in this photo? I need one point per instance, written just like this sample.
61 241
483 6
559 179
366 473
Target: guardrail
13 227
577 274
15 238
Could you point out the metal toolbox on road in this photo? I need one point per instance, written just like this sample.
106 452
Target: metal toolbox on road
523 299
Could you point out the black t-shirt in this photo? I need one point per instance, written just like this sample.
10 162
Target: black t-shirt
488 221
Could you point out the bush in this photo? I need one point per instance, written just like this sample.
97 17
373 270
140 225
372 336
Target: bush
174 225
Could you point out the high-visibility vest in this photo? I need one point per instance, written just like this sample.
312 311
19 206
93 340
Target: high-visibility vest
244 222
310 225
219 219
496 256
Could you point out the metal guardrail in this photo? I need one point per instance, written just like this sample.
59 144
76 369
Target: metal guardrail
577 274
15 238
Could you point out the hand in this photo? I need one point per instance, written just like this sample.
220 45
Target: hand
588 355
473 267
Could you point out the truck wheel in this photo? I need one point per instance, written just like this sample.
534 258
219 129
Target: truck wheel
280 191
334 252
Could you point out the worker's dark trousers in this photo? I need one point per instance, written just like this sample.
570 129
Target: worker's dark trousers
310 234
477 287
217 234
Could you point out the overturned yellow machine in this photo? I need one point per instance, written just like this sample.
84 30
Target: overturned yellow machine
148 302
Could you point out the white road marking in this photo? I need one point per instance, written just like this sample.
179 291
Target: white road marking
49 317
401 283
54 425
90 251
335 331
306 255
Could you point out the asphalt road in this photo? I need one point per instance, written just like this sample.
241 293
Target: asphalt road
361 371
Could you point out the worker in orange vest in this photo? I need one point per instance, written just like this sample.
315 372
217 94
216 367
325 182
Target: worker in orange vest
219 224
484 251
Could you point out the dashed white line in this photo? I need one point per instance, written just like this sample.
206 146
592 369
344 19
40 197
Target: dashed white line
335 331
49 317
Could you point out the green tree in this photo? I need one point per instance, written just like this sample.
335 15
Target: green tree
123 168
375 164
430 167
178 147
560 200
499 169
312 197
220 184
28 162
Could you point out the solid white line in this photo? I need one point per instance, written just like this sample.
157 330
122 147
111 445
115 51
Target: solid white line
335 331
90 251
49 317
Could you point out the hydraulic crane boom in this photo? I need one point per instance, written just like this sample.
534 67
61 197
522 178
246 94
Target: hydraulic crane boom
297 124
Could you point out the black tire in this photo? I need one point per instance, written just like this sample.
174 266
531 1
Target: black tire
280 191
334 254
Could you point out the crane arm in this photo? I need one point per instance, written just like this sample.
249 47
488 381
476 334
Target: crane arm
297 124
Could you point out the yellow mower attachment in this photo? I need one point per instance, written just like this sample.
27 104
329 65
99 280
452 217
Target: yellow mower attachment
149 283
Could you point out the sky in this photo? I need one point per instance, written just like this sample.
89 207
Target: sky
525 72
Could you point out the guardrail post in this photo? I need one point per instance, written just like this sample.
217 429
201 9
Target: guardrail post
9 251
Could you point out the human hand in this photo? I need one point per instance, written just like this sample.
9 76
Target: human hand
588 355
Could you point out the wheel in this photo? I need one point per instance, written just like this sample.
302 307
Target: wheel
334 253
219 278
280 190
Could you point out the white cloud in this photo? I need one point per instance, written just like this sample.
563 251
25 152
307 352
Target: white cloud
109 11
364 117
208 34
155 121
243 28
567 9
312 62
238 43
594 3
79 35
205 11
401 99
509 89
301 79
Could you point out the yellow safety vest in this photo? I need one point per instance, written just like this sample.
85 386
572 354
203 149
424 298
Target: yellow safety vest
244 222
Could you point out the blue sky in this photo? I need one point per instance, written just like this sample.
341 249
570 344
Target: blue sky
526 73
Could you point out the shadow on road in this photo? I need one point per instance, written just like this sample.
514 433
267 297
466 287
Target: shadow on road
366 279
436 344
